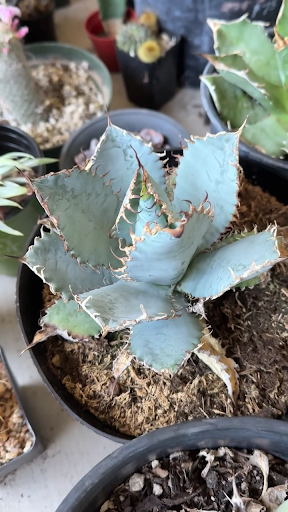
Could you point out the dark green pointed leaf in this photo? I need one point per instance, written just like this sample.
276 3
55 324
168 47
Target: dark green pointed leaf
235 70
212 273
165 344
49 260
70 321
83 209
115 155
250 41
125 303
282 20
210 165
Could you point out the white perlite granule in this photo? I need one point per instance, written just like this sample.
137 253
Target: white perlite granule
72 97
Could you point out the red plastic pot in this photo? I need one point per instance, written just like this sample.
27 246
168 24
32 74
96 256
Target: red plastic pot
104 46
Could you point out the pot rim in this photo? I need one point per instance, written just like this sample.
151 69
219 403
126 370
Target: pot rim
238 432
114 115
280 166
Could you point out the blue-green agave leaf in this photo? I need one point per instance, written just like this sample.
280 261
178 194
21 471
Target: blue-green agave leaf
250 41
126 303
70 321
212 273
145 205
115 158
210 165
83 209
162 255
165 344
269 135
49 260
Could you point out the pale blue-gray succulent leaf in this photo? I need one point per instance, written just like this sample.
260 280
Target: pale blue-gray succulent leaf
70 321
115 155
49 260
83 208
126 303
163 258
212 273
165 344
210 165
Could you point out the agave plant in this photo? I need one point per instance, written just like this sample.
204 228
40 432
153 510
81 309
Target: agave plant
125 245
13 186
252 80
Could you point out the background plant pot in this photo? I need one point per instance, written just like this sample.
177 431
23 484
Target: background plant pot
61 3
104 46
188 19
150 85
13 139
132 120
41 28
249 433
58 51
268 172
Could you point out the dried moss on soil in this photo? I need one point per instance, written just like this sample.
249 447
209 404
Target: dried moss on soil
251 324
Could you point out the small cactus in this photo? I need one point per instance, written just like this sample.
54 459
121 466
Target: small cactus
131 37
19 95
112 13
149 51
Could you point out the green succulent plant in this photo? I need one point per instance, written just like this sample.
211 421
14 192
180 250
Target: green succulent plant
12 185
132 36
112 13
252 80
125 244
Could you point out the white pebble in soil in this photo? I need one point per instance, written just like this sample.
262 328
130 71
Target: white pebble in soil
136 482
157 489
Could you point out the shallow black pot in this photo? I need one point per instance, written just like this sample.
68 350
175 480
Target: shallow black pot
270 173
188 19
41 28
249 433
150 85
132 120
13 139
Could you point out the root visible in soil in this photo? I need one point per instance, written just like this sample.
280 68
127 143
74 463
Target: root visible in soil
251 325
72 97
187 481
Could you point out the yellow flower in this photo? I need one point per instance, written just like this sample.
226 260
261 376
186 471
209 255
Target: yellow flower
149 19
149 51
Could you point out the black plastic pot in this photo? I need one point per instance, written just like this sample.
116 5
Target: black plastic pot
13 139
249 433
132 120
188 19
270 173
41 28
150 85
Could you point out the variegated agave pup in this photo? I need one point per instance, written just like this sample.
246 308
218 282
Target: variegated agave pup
125 245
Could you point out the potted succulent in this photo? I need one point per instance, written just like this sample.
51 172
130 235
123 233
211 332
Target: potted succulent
148 60
250 85
124 245
19 156
102 27
189 21
52 89
194 466
38 17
